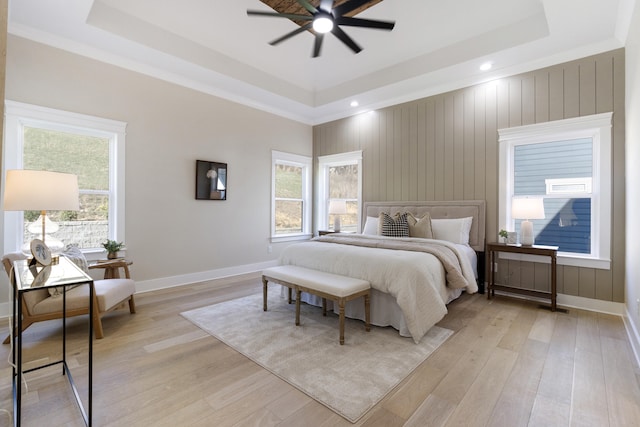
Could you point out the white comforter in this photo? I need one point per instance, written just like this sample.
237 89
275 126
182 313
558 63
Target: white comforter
415 279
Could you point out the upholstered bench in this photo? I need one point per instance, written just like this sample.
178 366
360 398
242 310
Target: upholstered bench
325 285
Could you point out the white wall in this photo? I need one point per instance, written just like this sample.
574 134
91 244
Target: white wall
170 236
632 277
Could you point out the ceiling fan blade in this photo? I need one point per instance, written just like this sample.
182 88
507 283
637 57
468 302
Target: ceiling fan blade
310 8
349 6
280 15
367 23
317 45
344 38
299 30
326 5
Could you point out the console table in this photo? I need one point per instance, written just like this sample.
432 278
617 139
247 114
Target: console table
550 251
28 278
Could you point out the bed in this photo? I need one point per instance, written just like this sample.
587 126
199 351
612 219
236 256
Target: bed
412 278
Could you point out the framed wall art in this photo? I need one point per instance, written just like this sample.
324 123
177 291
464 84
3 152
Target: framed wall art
211 180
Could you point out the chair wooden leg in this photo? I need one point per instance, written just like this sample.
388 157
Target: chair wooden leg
132 305
97 322
25 325
97 326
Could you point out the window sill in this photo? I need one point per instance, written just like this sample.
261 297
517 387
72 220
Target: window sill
563 259
291 237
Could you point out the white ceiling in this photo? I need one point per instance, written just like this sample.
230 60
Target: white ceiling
214 47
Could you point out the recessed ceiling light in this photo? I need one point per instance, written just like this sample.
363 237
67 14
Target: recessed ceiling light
354 103
486 66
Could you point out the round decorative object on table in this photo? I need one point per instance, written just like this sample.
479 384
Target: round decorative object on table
40 251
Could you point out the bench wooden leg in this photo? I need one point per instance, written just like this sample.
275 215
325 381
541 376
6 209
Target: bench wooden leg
290 296
341 306
324 307
132 305
264 293
367 313
298 292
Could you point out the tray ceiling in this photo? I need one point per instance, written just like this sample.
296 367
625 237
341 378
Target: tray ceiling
214 47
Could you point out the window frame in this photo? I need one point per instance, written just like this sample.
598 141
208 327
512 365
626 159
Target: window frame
322 201
304 162
598 127
18 115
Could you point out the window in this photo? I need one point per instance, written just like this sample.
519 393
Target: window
340 179
291 196
568 164
92 148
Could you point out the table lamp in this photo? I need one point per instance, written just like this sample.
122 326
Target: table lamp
31 190
337 208
527 208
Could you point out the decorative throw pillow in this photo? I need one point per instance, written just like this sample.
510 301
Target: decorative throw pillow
455 230
371 226
420 227
75 255
394 227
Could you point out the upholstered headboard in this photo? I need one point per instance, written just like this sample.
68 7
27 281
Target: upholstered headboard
439 209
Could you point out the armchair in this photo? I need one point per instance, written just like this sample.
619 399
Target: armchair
109 295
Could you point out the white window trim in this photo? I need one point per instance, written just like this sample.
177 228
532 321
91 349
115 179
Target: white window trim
598 127
18 114
279 157
324 163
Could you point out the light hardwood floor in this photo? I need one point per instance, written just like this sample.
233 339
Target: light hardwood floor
509 363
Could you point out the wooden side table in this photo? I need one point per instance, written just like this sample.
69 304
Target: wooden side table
111 266
550 251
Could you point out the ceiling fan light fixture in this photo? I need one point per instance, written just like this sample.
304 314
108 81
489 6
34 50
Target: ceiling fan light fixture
322 24
323 19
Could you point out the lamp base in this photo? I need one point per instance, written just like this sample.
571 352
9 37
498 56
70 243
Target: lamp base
526 233
336 224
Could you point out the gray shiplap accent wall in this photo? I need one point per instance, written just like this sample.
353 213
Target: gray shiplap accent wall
445 147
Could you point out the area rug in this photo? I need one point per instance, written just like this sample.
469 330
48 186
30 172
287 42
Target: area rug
349 379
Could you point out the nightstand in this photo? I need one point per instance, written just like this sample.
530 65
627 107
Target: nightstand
550 251
324 232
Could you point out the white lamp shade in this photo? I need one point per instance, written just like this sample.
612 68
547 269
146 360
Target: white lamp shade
337 207
29 190
527 208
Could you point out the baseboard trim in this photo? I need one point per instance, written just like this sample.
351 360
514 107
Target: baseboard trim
599 306
633 334
203 276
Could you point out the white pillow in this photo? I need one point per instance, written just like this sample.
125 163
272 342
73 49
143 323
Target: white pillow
371 226
452 230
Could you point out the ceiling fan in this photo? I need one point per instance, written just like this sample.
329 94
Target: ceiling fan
326 18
